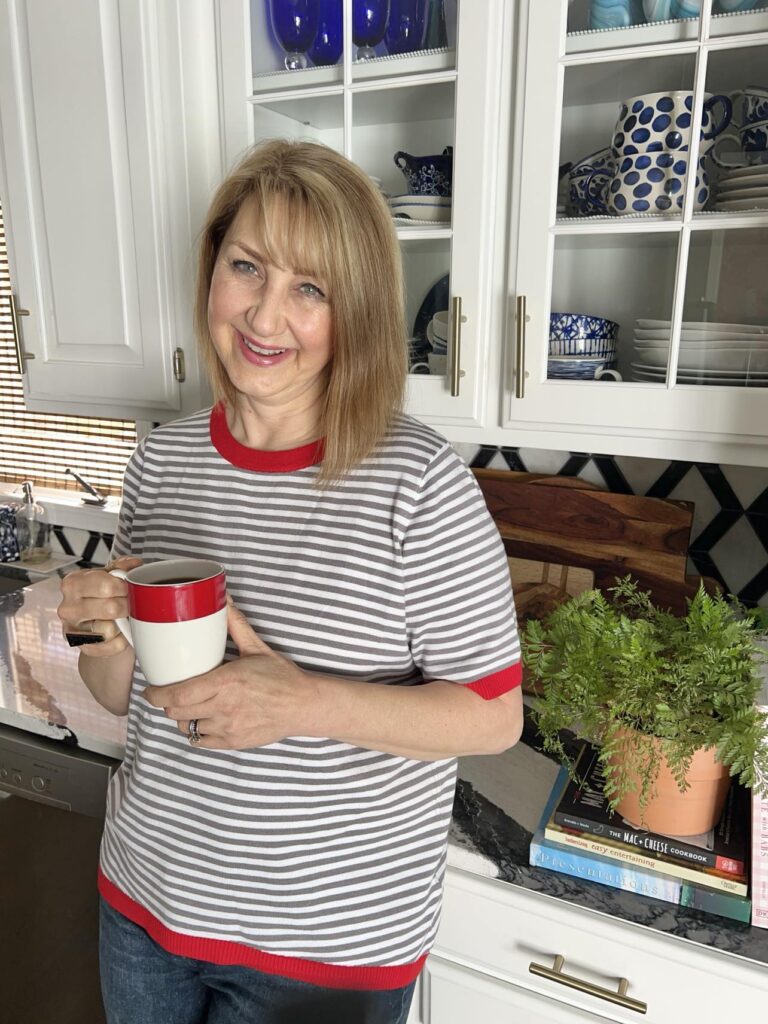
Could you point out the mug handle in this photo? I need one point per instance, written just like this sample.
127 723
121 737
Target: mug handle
413 366
401 156
724 121
607 372
607 176
716 158
122 624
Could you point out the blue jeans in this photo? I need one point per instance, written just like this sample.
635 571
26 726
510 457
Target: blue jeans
141 983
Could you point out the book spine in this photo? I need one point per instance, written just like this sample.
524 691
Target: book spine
551 856
689 874
759 861
641 841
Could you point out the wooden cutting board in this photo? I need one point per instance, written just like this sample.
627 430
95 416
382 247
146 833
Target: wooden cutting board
567 521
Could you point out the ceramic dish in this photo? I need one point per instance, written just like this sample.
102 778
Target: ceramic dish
759 192
706 338
700 372
737 360
576 368
741 204
746 171
646 378
703 325
436 299
423 214
735 184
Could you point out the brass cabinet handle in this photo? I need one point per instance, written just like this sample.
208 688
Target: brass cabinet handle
456 321
620 997
21 355
520 322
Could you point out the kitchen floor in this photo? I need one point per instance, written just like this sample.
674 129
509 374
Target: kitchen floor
48 915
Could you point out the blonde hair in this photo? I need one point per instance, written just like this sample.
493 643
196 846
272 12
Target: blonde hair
316 212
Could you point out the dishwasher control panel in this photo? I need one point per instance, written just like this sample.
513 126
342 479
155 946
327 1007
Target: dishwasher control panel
54 773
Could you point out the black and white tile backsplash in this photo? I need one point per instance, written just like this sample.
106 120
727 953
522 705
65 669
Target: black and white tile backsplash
729 539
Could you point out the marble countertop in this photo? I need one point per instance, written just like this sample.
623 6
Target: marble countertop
499 799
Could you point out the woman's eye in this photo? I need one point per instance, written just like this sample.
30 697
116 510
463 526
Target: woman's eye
244 266
312 290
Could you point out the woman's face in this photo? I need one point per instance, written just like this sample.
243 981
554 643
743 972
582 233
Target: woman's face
271 326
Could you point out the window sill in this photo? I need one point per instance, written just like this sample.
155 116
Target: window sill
66 508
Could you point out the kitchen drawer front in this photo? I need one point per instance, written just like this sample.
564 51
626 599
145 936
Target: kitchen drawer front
503 928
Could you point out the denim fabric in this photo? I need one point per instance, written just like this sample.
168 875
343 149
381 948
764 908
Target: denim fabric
141 983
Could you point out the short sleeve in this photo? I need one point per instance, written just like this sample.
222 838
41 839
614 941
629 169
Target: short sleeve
121 545
460 611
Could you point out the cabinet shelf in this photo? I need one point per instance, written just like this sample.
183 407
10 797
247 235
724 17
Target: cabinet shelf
382 69
645 223
664 33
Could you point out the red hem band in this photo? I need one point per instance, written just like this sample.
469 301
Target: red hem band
219 951
498 682
254 458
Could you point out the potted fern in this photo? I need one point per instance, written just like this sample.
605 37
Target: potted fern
669 700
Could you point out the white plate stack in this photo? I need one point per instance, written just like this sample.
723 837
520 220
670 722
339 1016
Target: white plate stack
716 354
742 188
421 209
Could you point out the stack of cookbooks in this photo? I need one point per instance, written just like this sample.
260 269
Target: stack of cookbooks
579 836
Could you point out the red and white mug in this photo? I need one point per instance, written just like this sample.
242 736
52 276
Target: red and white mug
177 621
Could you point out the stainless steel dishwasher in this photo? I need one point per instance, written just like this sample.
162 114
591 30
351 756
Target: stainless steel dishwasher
58 750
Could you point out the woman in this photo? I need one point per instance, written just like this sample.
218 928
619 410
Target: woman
275 840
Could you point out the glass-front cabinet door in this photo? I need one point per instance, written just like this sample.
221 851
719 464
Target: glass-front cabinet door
407 89
641 279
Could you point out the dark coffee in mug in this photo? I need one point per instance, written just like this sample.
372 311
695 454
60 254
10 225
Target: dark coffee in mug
170 580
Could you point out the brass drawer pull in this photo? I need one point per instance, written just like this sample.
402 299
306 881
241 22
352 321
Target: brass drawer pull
456 321
620 997
520 321
21 355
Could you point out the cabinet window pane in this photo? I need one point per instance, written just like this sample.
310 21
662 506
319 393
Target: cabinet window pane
40 446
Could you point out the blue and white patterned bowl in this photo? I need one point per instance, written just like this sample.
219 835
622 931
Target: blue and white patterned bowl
654 183
576 368
572 326
592 348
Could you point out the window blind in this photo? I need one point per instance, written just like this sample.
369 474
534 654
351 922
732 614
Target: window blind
40 446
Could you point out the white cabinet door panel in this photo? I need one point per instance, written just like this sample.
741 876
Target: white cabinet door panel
84 203
503 929
456 995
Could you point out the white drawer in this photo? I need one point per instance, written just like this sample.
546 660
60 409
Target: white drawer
503 928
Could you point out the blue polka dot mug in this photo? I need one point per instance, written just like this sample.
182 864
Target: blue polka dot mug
654 183
661 121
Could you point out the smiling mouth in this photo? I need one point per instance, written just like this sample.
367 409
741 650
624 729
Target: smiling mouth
261 350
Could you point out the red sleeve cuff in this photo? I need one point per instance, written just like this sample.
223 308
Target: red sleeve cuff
499 682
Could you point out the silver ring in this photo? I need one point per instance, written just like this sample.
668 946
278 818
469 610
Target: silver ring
194 735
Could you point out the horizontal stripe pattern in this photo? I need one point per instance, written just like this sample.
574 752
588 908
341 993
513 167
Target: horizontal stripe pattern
309 850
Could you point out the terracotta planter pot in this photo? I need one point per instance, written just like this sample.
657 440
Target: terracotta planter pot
671 812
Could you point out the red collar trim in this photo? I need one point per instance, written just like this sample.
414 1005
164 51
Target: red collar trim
253 458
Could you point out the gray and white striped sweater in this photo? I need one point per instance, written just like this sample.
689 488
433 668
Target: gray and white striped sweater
309 858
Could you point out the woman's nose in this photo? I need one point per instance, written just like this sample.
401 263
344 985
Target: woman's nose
266 316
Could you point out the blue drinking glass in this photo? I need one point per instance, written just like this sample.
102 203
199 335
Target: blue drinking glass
294 24
369 23
329 41
406 26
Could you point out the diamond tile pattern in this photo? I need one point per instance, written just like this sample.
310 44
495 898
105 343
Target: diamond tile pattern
729 539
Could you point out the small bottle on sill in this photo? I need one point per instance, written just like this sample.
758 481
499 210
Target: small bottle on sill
32 529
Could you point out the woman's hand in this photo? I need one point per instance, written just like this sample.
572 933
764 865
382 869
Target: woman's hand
91 600
259 698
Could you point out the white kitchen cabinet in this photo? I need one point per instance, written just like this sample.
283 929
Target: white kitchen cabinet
106 107
689 396
491 932
369 110
454 994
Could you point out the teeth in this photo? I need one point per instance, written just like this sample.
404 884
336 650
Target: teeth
263 351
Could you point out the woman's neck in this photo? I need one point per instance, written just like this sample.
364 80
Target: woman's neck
268 428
